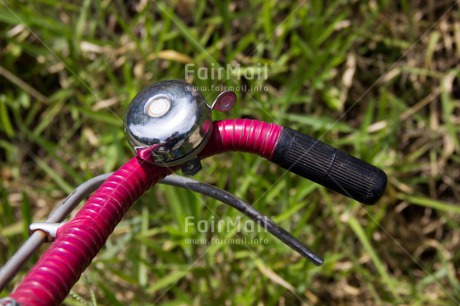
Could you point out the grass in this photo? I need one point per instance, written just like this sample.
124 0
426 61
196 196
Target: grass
378 79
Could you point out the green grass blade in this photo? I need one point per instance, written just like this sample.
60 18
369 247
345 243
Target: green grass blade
431 203
381 269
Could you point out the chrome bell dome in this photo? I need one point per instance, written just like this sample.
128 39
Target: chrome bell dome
170 122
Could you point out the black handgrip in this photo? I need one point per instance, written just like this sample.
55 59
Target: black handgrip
332 168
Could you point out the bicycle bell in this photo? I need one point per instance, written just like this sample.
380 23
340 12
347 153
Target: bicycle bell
169 123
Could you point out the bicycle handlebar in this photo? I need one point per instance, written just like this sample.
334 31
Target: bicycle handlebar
79 240
309 158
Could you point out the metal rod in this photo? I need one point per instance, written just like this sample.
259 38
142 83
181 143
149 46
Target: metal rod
33 243
12 266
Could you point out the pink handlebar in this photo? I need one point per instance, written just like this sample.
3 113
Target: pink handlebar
79 240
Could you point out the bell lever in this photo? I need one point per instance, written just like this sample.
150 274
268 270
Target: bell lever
224 101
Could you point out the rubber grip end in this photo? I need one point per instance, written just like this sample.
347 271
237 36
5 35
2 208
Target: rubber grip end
332 168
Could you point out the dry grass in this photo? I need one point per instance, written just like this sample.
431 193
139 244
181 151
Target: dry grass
378 79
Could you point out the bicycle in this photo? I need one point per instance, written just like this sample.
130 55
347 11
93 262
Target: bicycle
169 125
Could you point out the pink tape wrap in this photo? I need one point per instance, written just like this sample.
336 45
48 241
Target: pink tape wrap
79 240
243 135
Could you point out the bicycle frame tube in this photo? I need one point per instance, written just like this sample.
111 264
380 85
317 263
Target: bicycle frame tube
78 241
